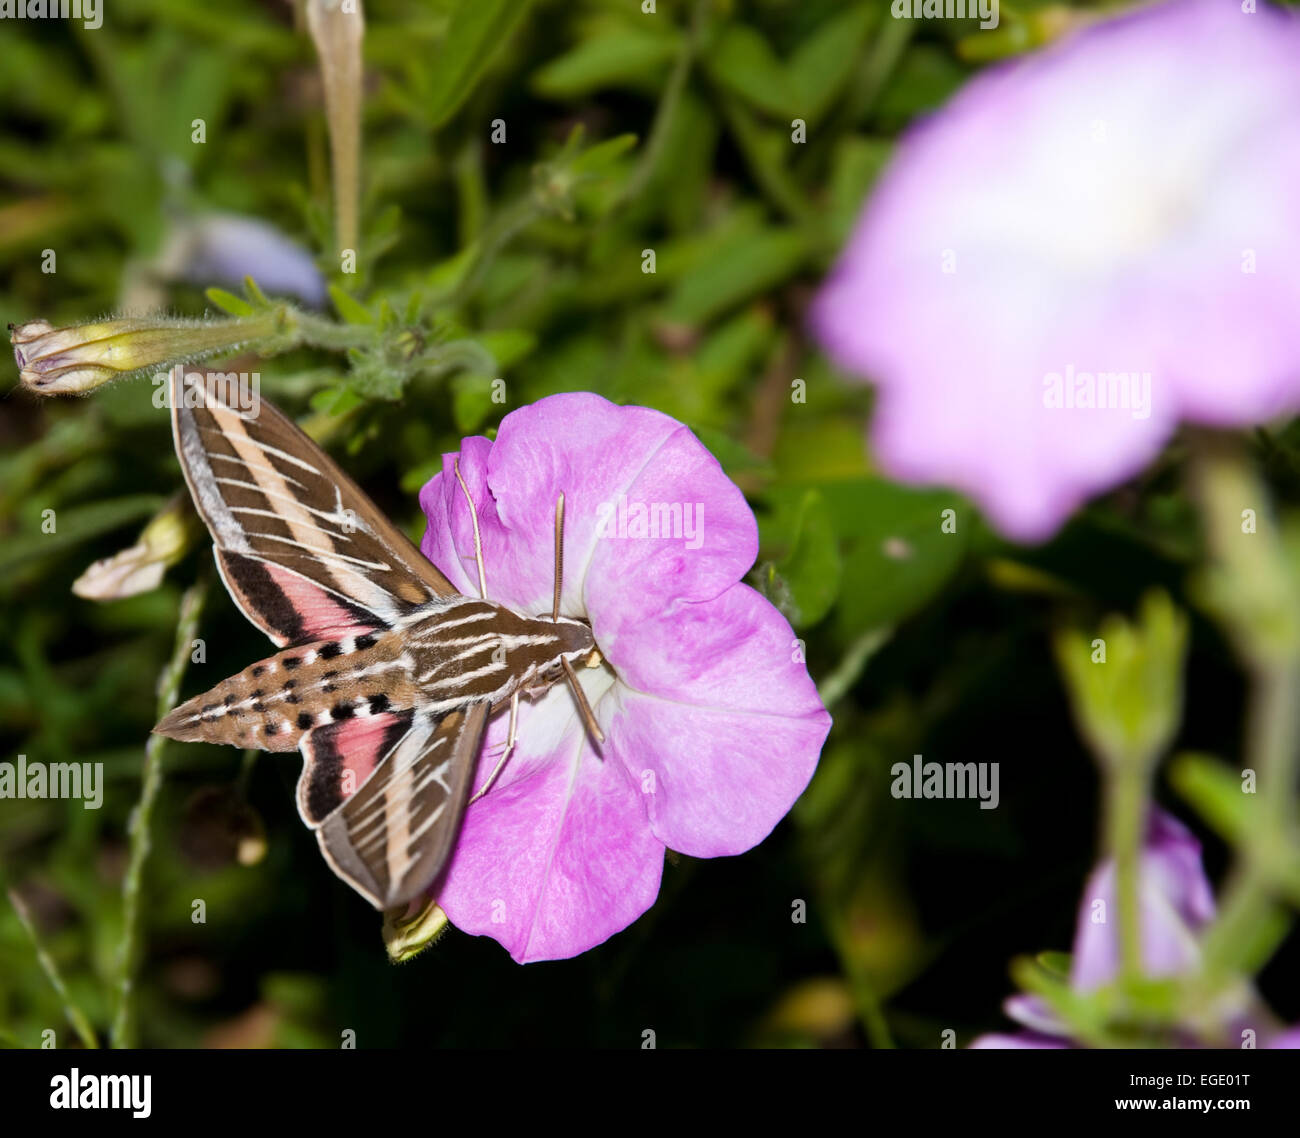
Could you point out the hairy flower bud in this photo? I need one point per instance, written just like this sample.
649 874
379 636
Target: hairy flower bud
77 359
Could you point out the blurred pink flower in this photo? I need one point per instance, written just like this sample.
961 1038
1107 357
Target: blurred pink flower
713 726
1080 251
1177 904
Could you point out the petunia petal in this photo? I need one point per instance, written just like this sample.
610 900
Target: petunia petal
598 455
735 652
1135 219
1176 904
449 538
1024 1040
718 721
699 536
557 857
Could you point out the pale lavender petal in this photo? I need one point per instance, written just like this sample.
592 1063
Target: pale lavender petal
736 652
1288 1040
1036 1014
224 248
1121 203
1176 902
1021 1041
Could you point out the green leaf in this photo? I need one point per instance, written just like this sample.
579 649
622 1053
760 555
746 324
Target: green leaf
899 555
825 61
509 345
229 302
255 293
735 457
743 61
812 569
1215 791
856 164
77 524
478 29
623 57
925 79
335 400
352 310
471 401
447 275
746 267
601 160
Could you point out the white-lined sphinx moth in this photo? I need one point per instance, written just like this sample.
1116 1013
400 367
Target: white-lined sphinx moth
386 675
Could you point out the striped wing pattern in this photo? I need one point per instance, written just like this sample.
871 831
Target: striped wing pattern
298 544
310 559
392 837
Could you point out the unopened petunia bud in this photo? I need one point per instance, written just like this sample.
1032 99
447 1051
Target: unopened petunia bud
77 359
337 30
1126 683
162 543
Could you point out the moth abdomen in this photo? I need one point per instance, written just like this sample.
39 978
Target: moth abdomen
270 705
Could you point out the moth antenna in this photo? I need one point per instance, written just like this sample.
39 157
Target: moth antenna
559 554
584 707
478 541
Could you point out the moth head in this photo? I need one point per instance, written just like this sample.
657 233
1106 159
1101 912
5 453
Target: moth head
576 640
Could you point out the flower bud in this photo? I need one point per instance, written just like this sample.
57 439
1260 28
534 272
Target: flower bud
162 543
1126 683
77 359
337 31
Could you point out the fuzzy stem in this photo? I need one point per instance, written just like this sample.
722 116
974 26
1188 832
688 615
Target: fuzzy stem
125 1027
75 1015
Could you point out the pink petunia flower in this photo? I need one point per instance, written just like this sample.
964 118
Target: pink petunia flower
1081 250
1177 904
713 726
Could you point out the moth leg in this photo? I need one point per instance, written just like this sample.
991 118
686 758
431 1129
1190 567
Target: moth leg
478 540
510 746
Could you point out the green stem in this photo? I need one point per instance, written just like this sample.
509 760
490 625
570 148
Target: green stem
837 684
672 95
75 1015
517 216
125 1027
1253 590
1126 793
318 332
